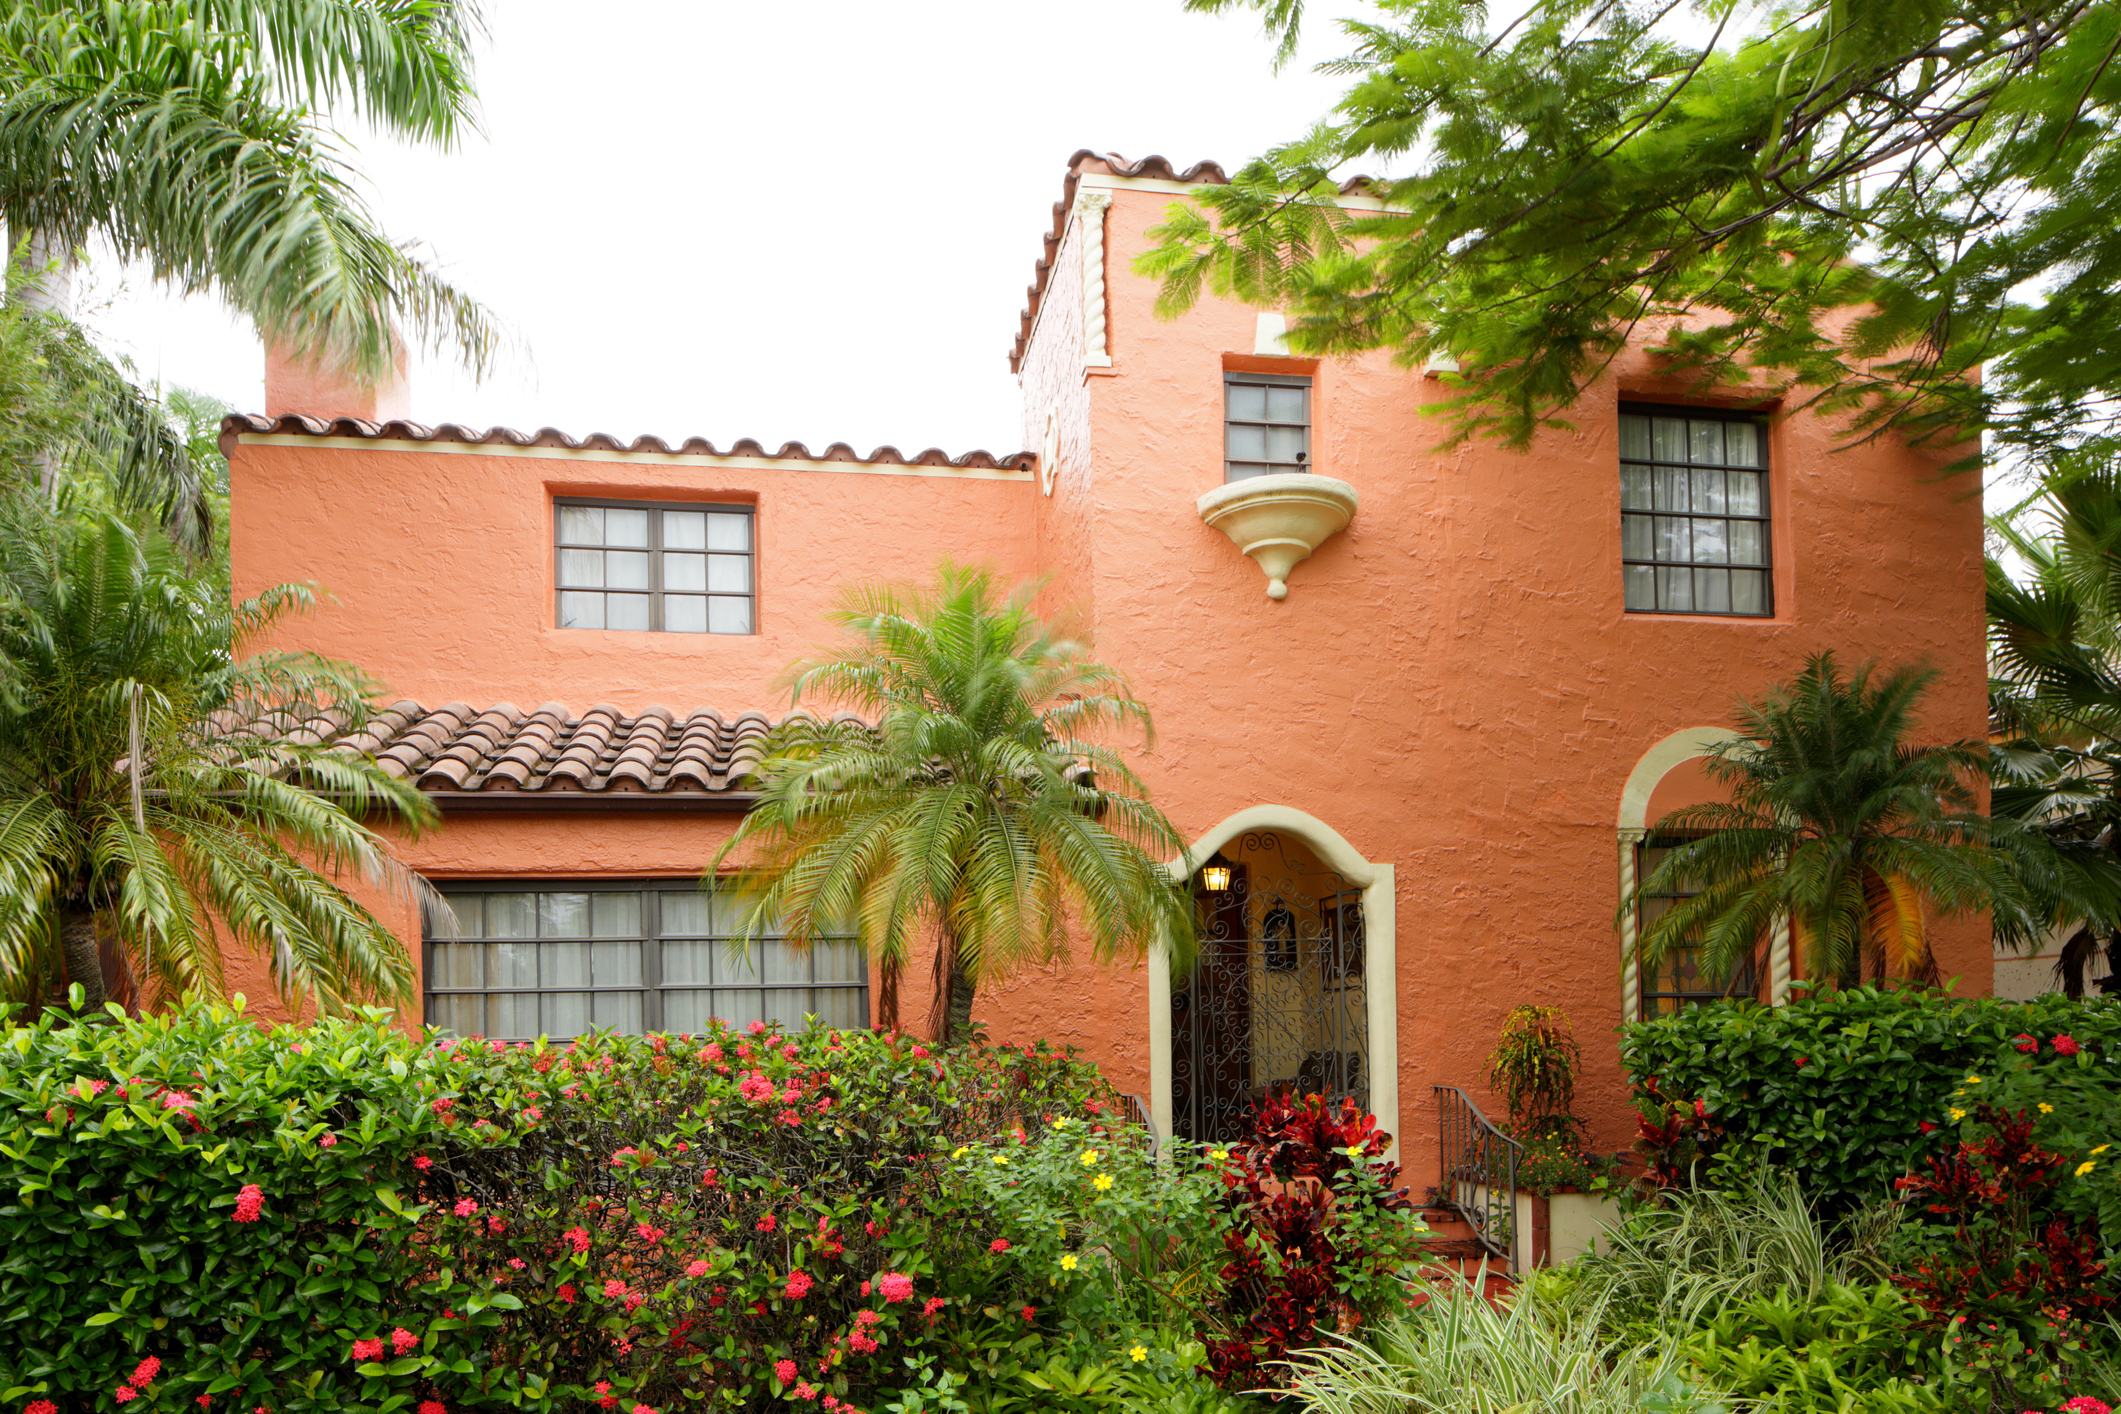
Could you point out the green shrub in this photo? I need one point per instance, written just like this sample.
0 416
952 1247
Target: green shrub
1840 1350
1847 1090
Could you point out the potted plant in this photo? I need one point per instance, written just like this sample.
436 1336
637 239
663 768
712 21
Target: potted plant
1570 1187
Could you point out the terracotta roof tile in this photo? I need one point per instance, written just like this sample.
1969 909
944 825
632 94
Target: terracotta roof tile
1204 173
237 424
506 756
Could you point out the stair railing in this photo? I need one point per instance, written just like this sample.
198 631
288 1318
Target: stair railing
1480 1174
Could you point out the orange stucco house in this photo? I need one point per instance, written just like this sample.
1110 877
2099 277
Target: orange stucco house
1417 782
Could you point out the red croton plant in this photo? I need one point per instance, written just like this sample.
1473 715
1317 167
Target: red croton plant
1323 1236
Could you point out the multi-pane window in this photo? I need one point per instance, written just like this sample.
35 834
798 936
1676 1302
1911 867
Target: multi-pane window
1694 513
1266 425
547 961
1680 980
669 569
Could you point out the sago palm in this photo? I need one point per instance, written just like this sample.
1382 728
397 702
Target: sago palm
980 797
1842 825
229 832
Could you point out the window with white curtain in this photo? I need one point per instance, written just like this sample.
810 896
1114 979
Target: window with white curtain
676 568
1694 513
544 960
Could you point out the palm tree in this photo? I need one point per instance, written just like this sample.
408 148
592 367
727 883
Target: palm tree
2054 636
182 133
1840 824
151 800
978 799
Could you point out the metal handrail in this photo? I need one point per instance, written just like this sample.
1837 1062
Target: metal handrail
1147 1119
1479 1173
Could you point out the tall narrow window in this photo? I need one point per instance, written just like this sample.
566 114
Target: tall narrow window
534 960
1680 980
1694 513
1266 425
683 568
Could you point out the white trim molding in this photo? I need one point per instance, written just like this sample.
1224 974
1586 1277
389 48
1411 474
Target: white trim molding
1634 825
1090 207
1380 964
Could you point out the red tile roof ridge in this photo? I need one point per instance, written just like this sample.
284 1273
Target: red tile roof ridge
238 424
1155 166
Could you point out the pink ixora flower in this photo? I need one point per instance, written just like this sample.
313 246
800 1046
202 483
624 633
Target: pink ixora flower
40 1406
804 1391
250 1201
2066 1046
933 1307
423 1163
1000 1244
2085 1404
896 1286
920 1053
432 1406
327 1139
2025 1044
516 1263
204 1401
648 1233
402 1340
567 1292
443 1106
125 1394
145 1371
466 1207
768 1223
757 1028
178 1100
364 1350
799 1284
578 1237
785 1371
642 1409
696 1269
615 1287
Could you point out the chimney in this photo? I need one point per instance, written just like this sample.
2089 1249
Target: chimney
294 382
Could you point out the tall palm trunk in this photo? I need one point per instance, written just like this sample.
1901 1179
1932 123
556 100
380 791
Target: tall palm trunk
84 965
950 1017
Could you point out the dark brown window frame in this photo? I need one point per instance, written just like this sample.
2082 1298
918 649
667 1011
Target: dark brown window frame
654 551
1765 519
1744 982
1304 461
652 987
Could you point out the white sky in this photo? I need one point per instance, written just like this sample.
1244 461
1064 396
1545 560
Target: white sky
808 222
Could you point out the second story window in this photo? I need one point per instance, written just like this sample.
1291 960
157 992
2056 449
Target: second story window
1694 513
1266 425
661 568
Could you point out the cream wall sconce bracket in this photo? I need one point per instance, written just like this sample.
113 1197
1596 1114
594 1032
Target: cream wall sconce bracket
1279 520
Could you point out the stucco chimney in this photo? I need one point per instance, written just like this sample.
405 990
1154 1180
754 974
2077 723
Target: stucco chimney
296 383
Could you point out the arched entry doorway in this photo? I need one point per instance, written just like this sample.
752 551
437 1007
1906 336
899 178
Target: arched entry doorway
1373 881
1278 1001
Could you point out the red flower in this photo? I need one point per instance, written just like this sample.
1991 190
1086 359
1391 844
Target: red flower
767 1223
696 1269
402 1340
934 1305
578 1237
804 1391
647 1233
423 1163
40 1406
443 1106
466 1207
920 1053
2025 1043
785 1371
567 1292
896 1286
2066 1046
799 1284
145 1371
614 1287
125 1394
367 1350
1000 1244
1803 1060
327 1139
204 1401
432 1406
1030 1313
1926 1126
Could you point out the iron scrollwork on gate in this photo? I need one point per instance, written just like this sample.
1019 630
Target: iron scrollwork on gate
1278 1001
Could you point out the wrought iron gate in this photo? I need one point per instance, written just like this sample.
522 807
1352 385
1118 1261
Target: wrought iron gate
1277 1002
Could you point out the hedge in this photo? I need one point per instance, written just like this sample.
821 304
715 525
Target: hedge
1839 1087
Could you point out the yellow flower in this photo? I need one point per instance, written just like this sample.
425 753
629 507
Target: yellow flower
1958 1114
1138 1353
1104 1182
1355 1151
2046 1108
960 1151
1001 1158
2086 1167
1063 1122
1068 1262
1973 1080
1090 1158
1219 1155
2102 1148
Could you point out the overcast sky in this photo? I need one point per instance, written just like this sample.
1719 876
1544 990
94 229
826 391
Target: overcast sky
809 222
